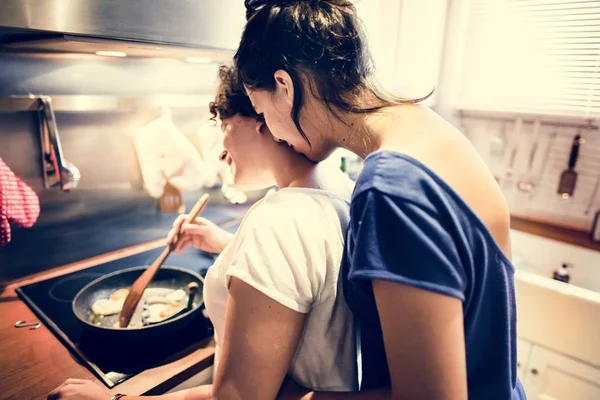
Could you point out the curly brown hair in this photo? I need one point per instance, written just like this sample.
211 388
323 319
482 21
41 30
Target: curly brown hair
231 99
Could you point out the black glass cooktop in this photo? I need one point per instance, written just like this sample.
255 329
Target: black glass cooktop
51 301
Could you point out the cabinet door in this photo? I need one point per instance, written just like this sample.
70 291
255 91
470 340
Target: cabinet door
552 376
523 350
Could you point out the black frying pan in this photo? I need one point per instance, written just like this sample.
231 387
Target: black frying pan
103 287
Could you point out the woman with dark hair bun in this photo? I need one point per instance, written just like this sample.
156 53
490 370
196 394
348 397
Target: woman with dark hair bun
427 267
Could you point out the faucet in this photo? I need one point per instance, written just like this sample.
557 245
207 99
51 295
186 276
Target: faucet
55 168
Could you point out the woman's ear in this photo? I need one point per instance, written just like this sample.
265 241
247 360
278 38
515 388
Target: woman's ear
284 86
258 127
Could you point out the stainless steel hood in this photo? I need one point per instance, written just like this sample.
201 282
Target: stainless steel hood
139 28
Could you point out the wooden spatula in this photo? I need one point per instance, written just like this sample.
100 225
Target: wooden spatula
140 284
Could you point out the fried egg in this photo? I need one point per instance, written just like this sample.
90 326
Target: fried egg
159 311
120 294
107 306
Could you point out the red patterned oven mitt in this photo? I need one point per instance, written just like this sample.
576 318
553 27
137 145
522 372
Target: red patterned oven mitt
19 205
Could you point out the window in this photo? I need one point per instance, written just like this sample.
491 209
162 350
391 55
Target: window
530 56
406 41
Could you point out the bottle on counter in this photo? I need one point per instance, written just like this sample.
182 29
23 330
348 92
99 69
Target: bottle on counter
348 162
562 274
354 165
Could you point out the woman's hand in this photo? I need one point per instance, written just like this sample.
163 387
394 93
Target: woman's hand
79 389
201 234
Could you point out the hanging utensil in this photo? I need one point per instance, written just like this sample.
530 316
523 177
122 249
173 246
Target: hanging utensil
138 287
526 183
171 200
568 178
510 156
593 197
496 147
546 145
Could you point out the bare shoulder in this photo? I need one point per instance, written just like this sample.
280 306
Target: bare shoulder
451 156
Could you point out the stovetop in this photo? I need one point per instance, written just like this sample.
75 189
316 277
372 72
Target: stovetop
51 301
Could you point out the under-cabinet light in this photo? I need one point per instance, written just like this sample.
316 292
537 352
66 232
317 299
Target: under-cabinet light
111 53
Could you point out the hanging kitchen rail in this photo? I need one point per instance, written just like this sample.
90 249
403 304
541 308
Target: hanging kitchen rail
56 170
567 122
100 103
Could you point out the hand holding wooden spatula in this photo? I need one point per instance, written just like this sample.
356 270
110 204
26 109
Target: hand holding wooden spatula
140 284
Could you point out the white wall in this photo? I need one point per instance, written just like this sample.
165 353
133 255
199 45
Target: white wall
491 137
406 41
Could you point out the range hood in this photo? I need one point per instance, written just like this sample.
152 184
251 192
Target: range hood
194 29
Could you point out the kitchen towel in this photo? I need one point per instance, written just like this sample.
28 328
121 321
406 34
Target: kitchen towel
19 205
166 154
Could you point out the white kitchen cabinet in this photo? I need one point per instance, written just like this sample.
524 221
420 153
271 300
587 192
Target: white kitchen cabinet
523 351
553 376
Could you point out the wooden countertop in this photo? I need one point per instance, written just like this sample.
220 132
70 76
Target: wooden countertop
554 232
33 362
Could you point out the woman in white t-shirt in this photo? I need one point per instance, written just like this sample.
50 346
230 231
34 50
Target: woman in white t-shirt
273 294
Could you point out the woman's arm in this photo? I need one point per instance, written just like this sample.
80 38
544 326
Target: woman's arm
204 392
260 340
424 344
84 389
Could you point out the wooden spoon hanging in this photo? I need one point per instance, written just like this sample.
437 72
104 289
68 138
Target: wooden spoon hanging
140 284
171 200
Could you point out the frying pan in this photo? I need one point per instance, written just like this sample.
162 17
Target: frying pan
166 277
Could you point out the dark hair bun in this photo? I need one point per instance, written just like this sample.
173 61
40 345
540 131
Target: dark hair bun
321 40
253 6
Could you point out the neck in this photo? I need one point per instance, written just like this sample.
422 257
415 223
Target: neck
290 168
363 134
355 132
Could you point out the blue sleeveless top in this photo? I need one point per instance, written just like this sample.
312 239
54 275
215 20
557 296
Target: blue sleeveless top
409 226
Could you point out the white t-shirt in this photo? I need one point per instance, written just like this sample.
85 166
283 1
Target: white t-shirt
289 246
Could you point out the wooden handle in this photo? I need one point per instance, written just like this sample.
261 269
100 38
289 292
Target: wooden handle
140 284
193 287
197 210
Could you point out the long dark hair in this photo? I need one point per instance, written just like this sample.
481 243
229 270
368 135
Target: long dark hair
321 40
